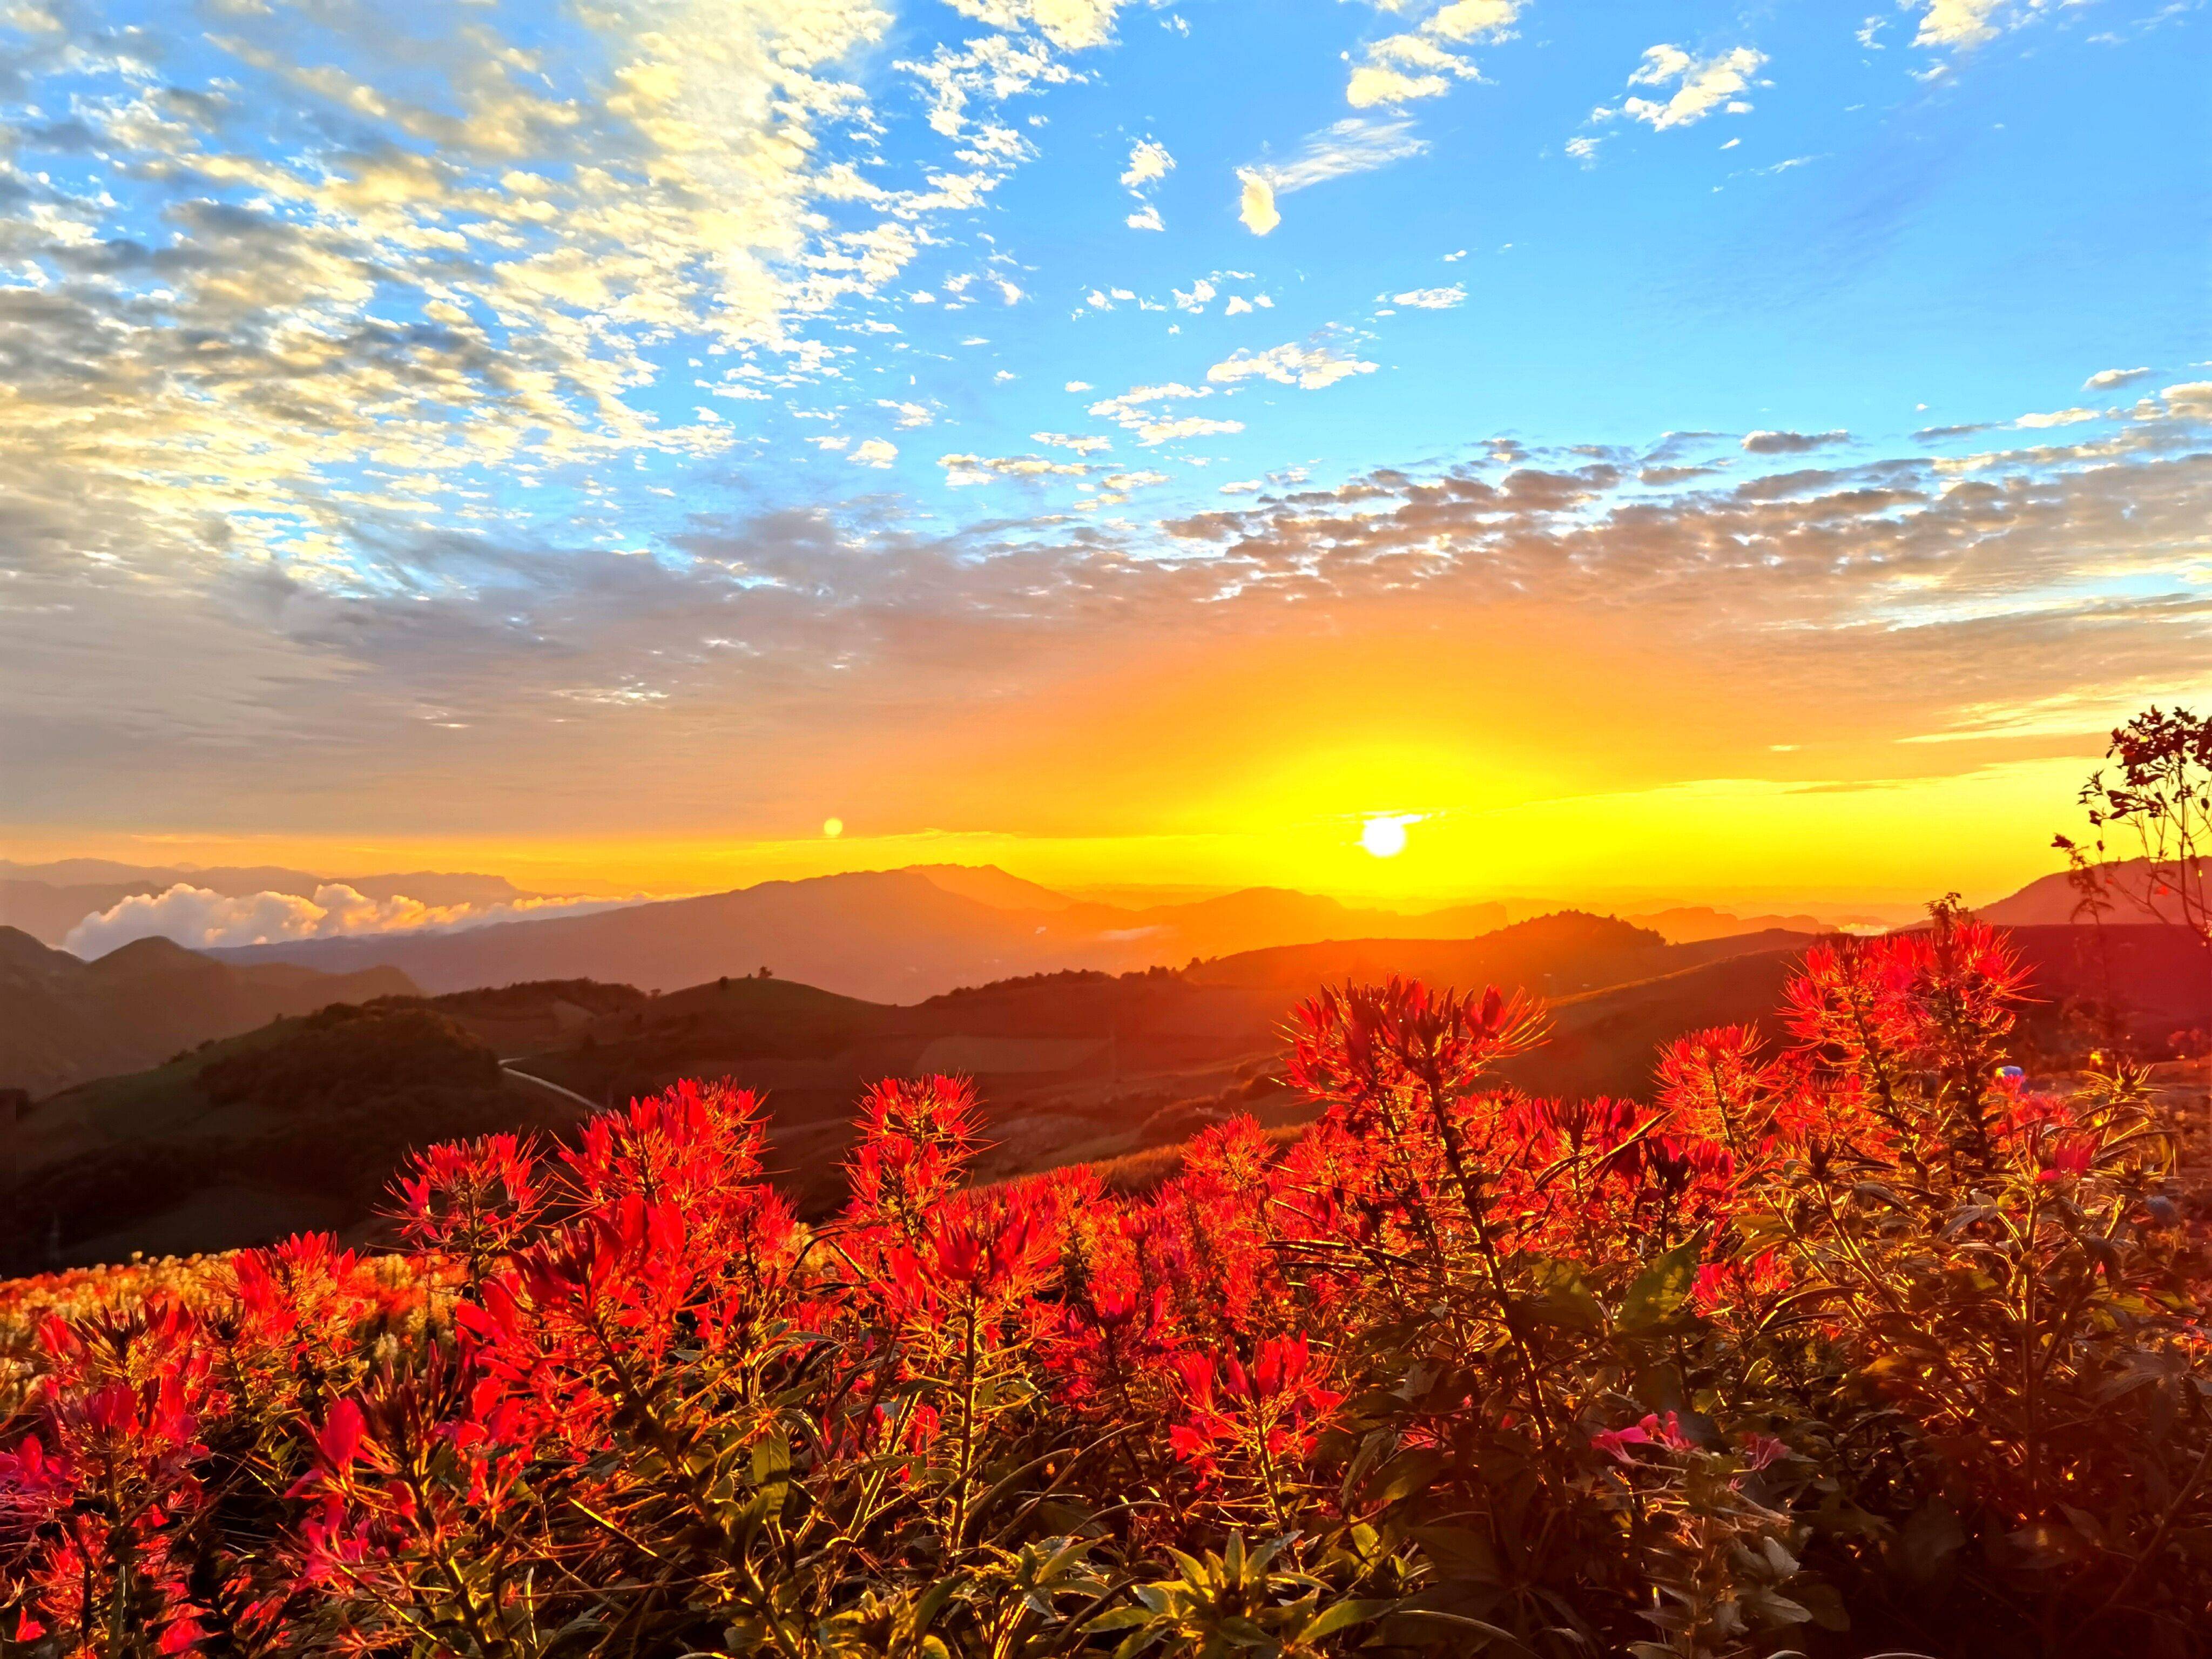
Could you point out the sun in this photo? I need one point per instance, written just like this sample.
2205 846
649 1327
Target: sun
1383 837
832 828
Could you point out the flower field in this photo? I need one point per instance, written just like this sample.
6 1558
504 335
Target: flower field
1863 1345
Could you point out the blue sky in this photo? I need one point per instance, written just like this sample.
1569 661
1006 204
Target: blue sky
424 397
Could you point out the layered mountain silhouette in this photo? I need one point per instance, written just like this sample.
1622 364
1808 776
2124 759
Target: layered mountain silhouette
62 1019
889 935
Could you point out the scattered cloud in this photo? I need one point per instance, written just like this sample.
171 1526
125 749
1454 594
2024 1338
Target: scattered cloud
1131 411
1702 85
961 471
1432 298
1149 161
1308 368
2104 379
1421 63
874 451
1792 443
2056 417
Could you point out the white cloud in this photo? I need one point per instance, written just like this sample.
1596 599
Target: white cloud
1078 386
1701 85
2056 417
201 920
1378 83
1432 298
1242 487
1256 204
1957 23
1166 430
1584 150
1400 68
874 451
1237 305
1071 25
961 472
1147 219
1358 144
909 415
1148 161
1308 368
2104 378
1200 292
1087 444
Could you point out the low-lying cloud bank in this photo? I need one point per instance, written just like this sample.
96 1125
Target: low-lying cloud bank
201 920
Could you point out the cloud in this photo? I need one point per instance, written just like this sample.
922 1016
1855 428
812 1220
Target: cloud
2106 378
874 451
1958 22
1132 412
1149 160
1792 443
201 920
1256 204
1090 444
2056 417
1308 368
909 415
1584 150
1356 144
1071 25
1432 298
1419 63
1701 85
961 471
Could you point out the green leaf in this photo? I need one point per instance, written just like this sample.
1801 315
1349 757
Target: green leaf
1408 1472
1342 1616
1562 1298
1658 1292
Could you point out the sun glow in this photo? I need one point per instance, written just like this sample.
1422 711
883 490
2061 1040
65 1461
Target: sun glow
1385 837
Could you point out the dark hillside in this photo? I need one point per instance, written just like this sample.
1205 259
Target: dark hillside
64 1020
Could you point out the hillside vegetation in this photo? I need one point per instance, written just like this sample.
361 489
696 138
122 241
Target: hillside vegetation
1857 1341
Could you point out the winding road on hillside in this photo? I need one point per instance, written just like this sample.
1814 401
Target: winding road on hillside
515 1071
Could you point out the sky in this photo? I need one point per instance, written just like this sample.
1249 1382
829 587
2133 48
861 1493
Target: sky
1728 454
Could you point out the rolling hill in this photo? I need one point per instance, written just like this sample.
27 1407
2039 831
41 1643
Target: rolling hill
62 1019
297 1125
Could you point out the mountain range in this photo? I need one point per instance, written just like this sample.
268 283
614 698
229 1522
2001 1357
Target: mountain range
62 1019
